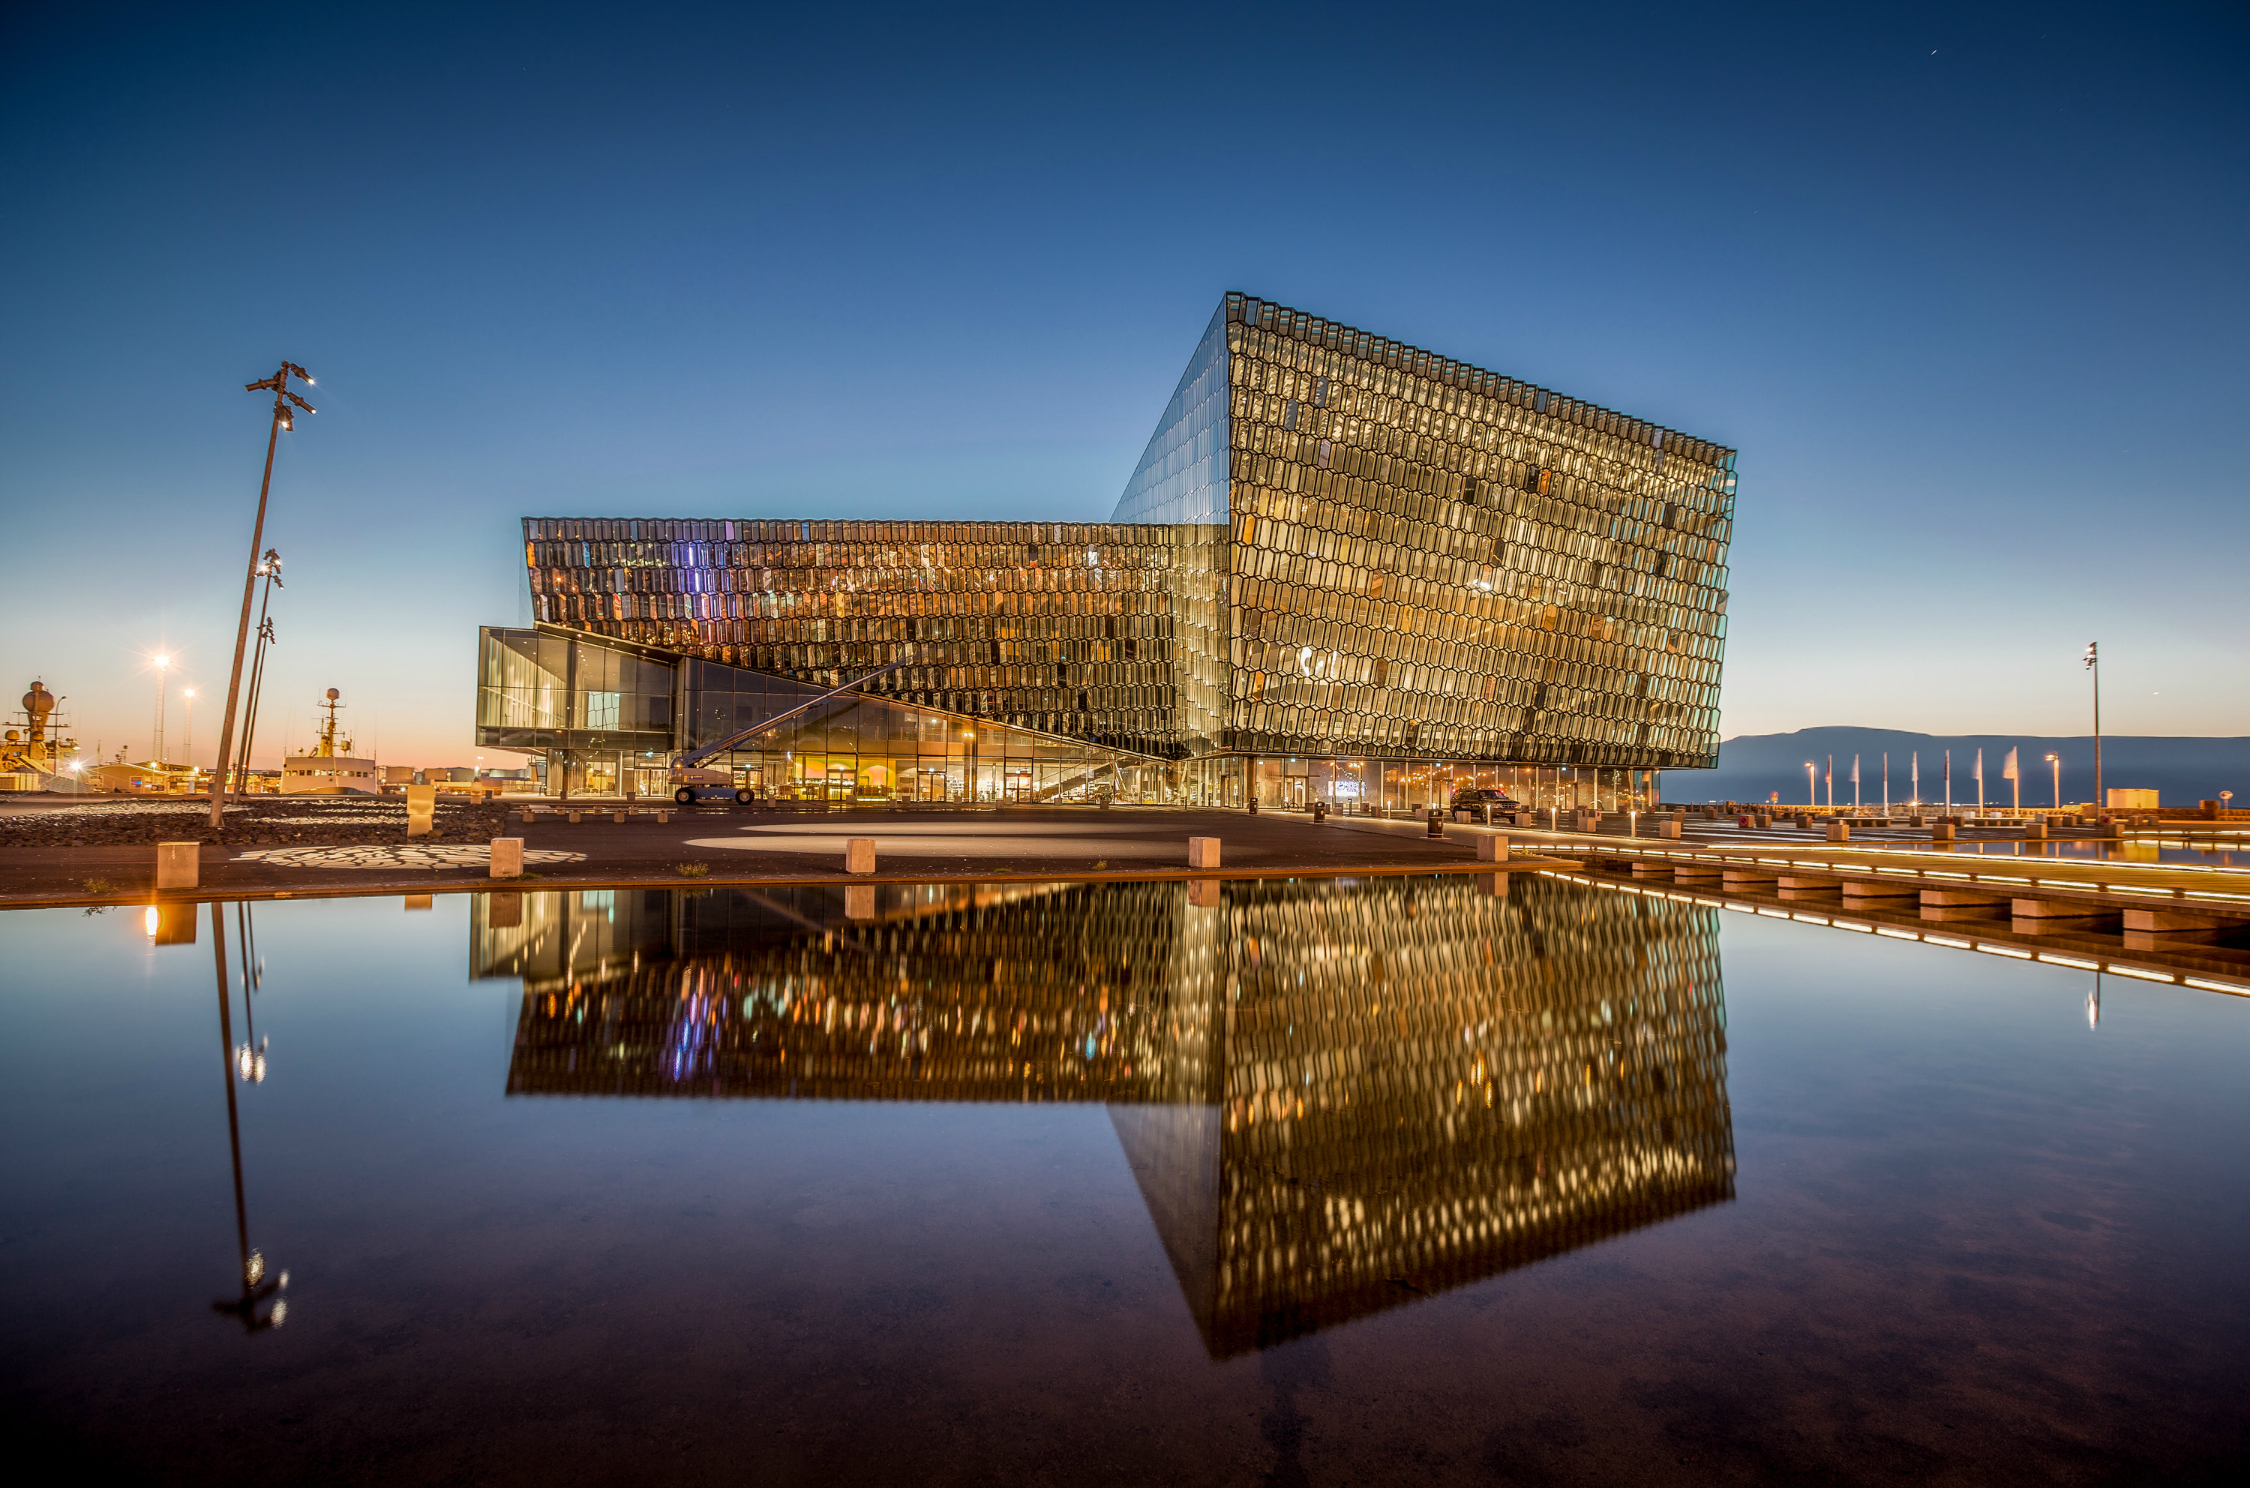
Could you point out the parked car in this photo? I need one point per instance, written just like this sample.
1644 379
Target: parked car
1476 798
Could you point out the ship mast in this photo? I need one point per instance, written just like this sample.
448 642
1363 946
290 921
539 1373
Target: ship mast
328 749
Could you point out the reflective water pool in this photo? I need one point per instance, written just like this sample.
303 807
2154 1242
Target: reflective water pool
1275 1181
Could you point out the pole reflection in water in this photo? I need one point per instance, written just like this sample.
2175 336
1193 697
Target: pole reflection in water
258 1289
1335 1097
250 1054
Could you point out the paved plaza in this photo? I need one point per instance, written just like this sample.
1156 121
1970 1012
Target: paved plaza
738 844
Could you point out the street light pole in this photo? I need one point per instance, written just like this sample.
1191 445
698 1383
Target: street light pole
1812 790
283 401
2094 665
162 662
271 569
2055 760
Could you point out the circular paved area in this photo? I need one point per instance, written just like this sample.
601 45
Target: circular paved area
467 855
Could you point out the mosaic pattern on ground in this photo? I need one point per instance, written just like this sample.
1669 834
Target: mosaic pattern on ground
467 855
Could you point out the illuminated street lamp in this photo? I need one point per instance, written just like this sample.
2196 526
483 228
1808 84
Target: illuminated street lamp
2055 761
1812 786
284 401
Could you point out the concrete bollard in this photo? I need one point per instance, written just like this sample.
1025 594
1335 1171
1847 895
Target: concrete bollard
421 808
507 857
1203 852
859 901
617 816
859 855
574 818
1204 893
1941 831
1669 829
177 864
504 911
1492 848
1492 885
2035 831
1839 831
662 817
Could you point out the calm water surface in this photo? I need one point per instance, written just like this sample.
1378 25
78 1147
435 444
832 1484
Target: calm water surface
1286 1182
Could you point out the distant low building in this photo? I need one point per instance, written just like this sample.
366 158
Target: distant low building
149 778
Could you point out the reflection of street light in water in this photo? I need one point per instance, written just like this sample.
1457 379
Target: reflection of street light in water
259 1289
250 1054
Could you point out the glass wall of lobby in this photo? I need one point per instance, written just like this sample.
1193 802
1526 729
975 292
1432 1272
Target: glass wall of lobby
873 751
1408 787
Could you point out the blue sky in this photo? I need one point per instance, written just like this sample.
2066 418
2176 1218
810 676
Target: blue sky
1964 287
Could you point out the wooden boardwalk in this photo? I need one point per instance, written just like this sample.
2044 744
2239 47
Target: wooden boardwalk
2212 898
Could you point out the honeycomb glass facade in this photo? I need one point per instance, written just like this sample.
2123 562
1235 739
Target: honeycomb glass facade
1344 568
1318 1088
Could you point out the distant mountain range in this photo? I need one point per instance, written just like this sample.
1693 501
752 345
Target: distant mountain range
2185 770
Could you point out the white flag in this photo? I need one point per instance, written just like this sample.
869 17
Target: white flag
2008 770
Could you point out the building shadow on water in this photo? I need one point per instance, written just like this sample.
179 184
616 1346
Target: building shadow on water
1336 1097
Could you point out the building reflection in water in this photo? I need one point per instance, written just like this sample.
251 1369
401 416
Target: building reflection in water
1336 1096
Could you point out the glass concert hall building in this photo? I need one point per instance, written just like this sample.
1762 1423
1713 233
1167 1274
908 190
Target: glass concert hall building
1345 569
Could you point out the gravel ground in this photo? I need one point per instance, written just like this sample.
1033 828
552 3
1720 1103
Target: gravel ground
259 822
